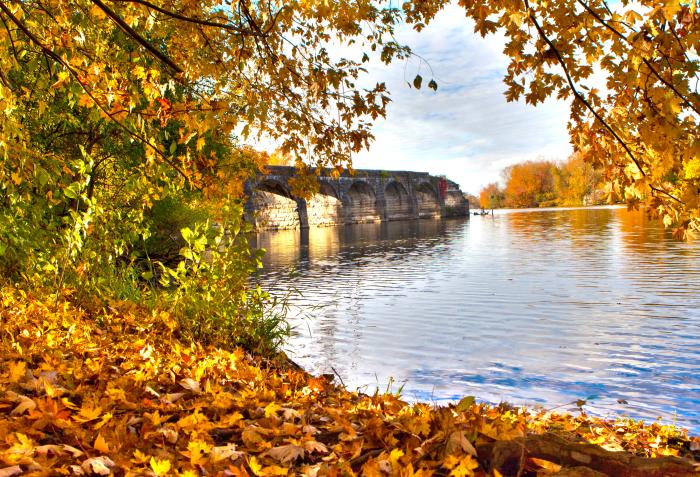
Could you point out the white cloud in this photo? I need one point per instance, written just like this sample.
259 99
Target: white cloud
466 130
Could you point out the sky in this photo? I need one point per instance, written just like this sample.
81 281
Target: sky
465 130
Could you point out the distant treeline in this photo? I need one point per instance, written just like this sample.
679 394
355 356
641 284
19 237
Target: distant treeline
545 184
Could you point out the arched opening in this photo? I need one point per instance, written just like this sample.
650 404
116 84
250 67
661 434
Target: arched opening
324 208
361 204
398 205
271 207
427 199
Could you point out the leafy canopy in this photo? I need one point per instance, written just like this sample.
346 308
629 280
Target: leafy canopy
631 73
110 105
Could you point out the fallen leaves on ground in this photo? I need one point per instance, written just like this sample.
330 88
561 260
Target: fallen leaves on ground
115 392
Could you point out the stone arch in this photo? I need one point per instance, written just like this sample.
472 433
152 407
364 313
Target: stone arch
271 206
398 203
427 201
361 203
325 207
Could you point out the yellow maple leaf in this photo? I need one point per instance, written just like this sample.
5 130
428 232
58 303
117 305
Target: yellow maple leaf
160 467
271 409
254 465
199 450
88 413
104 420
18 370
465 468
139 457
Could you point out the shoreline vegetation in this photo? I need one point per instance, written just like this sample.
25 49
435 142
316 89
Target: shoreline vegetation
115 390
541 183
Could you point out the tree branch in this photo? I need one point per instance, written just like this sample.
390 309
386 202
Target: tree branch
575 91
581 98
138 38
51 54
645 60
185 18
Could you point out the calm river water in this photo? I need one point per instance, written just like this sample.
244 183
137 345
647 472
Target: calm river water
530 307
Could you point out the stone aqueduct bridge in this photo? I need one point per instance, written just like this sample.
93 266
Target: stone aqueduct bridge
367 196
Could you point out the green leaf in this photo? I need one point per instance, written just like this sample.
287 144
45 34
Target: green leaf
42 177
417 81
465 403
173 147
72 191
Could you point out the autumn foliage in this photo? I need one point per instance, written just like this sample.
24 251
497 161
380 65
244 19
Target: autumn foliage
119 118
113 391
546 183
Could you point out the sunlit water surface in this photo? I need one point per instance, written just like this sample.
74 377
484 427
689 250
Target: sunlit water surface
530 307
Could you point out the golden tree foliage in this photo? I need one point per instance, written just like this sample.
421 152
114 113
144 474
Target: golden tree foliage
631 73
576 182
491 197
279 158
545 183
528 183
127 397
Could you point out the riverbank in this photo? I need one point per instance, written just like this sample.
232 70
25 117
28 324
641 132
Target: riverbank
115 392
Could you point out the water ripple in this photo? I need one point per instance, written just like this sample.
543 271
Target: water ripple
530 307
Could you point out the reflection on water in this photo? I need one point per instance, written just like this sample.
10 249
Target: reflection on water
542 306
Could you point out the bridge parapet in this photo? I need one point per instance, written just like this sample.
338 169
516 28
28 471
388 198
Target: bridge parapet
362 197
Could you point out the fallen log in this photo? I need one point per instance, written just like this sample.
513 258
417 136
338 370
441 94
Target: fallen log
510 457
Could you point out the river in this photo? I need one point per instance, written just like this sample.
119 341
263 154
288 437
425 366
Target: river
537 307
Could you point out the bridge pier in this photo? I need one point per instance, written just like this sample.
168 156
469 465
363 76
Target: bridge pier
365 197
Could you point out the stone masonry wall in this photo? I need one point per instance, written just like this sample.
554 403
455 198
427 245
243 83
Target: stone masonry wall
366 196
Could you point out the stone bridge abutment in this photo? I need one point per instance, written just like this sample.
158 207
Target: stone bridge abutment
364 197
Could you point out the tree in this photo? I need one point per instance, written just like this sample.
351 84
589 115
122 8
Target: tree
575 181
491 197
528 184
110 106
641 129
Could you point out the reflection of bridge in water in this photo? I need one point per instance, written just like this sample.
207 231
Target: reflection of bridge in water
367 196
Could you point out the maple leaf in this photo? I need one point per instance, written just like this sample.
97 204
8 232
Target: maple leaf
18 370
160 467
198 450
286 453
88 412
255 466
191 385
271 409
100 444
315 446
26 404
465 467
98 465
274 470
457 442
228 451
